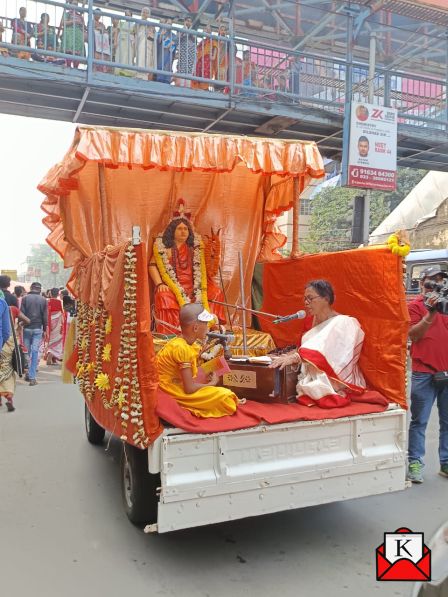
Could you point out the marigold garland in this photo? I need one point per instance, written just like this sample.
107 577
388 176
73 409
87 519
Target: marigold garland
102 381
169 277
398 245
107 350
108 326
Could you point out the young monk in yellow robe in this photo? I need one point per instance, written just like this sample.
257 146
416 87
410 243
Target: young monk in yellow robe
177 365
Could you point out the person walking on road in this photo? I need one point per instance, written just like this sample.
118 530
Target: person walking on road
7 373
429 352
11 299
34 306
5 326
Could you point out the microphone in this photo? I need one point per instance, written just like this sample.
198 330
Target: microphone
216 336
299 315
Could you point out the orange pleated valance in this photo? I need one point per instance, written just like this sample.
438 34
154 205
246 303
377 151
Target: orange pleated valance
112 179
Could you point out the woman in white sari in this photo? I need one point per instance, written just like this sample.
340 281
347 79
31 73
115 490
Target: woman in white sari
144 46
328 354
124 43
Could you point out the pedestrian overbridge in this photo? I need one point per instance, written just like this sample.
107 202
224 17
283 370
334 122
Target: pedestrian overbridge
114 69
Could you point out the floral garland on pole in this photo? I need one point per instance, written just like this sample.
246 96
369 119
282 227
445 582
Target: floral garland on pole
169 277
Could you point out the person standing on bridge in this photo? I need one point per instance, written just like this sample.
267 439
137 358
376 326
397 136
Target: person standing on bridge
101 41
144 46
22 32
186 54
46 39
125 45
73 30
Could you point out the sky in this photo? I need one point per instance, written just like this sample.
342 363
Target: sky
30 147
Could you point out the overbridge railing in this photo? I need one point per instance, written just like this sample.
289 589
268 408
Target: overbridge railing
104 43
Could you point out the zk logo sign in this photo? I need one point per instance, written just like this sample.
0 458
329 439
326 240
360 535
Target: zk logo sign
377 114
403 556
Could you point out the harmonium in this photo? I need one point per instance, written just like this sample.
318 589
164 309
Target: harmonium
256 381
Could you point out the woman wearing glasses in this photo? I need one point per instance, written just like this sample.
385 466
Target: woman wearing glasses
329 352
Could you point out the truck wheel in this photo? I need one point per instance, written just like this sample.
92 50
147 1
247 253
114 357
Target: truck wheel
95 433
138 486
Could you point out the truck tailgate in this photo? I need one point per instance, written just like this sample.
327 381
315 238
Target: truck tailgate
207 479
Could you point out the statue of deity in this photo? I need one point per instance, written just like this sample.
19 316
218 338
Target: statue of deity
178 270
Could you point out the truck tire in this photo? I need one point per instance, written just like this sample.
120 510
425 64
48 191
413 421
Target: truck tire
95 433
138 486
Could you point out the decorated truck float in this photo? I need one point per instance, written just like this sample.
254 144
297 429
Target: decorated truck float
109 206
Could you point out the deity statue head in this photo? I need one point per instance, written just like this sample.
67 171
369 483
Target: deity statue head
179 230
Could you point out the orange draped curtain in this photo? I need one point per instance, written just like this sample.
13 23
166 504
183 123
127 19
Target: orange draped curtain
113 179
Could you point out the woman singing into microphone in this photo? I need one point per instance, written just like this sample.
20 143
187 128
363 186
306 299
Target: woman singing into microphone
328 353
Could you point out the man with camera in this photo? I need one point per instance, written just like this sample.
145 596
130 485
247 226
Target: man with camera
429 352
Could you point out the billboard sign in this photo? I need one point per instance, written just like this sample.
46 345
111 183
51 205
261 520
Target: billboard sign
372 159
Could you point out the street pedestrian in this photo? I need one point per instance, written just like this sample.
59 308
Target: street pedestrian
34 306
11 299
7 373
429 352
5 326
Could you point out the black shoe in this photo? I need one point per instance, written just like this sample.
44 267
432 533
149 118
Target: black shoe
10 406
27 377
33 382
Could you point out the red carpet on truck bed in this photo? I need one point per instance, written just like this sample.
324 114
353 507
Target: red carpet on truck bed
253 413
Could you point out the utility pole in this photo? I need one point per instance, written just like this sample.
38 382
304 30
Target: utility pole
371 92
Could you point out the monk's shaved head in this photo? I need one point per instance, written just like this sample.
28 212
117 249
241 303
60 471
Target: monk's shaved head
189 313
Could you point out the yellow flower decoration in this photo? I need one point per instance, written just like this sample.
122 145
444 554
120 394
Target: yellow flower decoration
108 326
121 398
84 343
107 352
398 246
102 381
81 370
90 366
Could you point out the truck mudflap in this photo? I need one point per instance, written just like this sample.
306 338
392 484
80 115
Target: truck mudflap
206 479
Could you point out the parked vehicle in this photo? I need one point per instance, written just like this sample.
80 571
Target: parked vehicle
419 260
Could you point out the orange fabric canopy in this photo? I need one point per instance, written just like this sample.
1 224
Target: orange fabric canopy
112 179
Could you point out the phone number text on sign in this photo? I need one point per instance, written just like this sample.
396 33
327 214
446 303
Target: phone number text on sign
383 180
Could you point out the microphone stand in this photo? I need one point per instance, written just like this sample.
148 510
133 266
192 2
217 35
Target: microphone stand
241 308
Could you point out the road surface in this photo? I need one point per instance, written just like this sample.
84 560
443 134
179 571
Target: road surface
63 532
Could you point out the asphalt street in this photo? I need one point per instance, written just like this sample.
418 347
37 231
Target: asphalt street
63 531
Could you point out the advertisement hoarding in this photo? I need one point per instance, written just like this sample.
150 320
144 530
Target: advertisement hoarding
372 160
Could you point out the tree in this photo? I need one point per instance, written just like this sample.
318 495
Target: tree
331 219
40 263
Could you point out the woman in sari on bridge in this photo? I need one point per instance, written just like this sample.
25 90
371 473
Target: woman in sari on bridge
206 64
73 31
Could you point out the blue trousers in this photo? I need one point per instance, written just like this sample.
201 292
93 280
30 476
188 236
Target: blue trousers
423 395
32 340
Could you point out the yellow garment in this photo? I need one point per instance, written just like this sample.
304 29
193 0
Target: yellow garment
210 401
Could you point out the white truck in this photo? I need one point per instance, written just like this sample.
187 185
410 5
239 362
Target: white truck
111 179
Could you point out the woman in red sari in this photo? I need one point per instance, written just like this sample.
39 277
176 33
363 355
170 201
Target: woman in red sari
206 60
55 329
